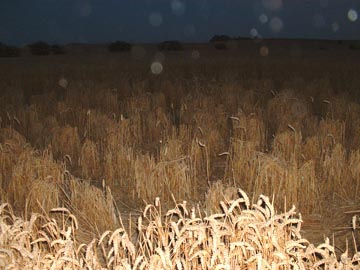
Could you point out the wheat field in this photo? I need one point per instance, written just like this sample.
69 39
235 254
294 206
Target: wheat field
208 165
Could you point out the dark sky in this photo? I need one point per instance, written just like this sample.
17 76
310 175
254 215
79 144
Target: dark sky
96 21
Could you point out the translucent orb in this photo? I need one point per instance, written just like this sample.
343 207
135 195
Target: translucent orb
324 3
85 9
276 24
155 19
178 7
264 51
189 30
272 5
352 15
159 57
263 18
319 21
63 82
195 54
335 26
254 32
156 68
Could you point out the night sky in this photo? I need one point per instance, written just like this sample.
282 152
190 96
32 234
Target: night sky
99 21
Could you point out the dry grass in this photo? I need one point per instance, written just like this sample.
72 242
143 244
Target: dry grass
165 178
287 146
284 126
90 161
66 142
243 235
29 169
93 207
354 167
119 168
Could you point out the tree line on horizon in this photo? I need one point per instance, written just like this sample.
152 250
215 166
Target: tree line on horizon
36 48
219 42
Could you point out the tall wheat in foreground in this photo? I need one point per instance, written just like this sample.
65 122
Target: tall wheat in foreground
241 236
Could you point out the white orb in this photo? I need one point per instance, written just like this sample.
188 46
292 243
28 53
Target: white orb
352 15
156 68
63 82
263 18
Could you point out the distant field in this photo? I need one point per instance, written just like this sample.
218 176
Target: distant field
99 134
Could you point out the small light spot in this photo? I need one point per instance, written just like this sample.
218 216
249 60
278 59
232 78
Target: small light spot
63 82
85 9
254 33
264 51
156 68
138 52
276 24
155 19
195 54
178 7
263 18
324 3
352 15
335 26
319 21
272 5
159 57
189 30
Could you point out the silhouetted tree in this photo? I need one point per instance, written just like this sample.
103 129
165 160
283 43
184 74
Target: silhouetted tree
220 46
354 45
9 51
57 49
220 38
119 46
242 38
40 48
170 45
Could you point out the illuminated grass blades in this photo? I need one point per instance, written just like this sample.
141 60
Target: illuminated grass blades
284 126
242 236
